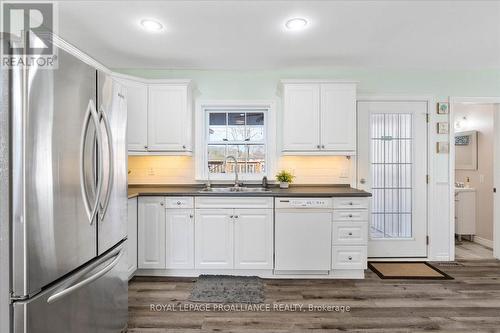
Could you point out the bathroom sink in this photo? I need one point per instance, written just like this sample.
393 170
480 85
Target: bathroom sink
233 189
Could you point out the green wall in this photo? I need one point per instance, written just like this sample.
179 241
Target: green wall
262 84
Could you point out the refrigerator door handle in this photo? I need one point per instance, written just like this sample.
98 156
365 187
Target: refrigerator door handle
111 169
66 291
90 209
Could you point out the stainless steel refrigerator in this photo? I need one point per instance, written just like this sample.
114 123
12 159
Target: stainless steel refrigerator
68 199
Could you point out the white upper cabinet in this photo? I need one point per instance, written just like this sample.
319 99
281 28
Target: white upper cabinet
301 117
159 116
137 112
338 117
319 118
169 124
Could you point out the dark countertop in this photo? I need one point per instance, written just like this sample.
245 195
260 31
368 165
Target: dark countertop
293 191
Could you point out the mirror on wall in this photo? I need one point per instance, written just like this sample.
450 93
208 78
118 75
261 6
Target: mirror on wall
466 150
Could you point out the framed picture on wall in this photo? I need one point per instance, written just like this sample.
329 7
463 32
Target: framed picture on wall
466 150
443 108
442 128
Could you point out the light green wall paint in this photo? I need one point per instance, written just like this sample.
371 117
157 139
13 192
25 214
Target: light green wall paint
262 84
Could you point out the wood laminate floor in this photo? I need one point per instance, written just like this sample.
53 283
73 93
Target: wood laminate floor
470 303
467 250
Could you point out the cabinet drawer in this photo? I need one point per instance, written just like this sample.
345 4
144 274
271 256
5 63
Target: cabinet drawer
233 202
350 215
350 233
349 257
350 203
180 202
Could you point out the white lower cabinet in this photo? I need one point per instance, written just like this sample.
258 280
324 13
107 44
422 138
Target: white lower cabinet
234 238
132 237
151 233
180 238
214 238
350 234
253 239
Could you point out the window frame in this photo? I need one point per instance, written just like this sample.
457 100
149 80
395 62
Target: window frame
203 110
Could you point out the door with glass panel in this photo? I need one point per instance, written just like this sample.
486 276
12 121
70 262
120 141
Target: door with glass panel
392 165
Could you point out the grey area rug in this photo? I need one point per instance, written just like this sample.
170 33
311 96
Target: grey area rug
228 289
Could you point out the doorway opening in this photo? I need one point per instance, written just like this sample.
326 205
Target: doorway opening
475 142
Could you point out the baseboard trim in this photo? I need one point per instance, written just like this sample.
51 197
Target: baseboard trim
484 242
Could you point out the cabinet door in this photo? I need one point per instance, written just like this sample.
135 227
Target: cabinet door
301 117
137 113
180 238
214 238
253 239
151 222
132 237
338 117
168 123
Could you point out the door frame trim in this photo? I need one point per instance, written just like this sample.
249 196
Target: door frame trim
430 189
496 219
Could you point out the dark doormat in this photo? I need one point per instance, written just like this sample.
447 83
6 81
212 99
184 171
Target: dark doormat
228 289
407 270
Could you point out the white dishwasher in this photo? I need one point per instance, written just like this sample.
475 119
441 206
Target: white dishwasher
303 235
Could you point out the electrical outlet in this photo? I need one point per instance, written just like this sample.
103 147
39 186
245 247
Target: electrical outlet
481 179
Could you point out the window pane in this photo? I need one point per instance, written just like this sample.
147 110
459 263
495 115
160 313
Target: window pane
217 127
256 159
240 152
216 154
236 128
255 127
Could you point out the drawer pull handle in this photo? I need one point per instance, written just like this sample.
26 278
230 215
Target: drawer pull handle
231 216
350 234
178 202
191 216
350 258
161 203
351 203
350 215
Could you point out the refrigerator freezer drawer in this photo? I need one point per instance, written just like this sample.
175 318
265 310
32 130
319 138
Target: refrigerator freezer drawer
92 300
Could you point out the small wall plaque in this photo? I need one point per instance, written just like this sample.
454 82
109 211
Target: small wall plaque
443 108
443 128
443 147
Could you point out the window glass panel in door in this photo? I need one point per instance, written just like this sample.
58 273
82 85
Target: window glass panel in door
391 171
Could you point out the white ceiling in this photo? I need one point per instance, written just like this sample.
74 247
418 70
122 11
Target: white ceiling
250 34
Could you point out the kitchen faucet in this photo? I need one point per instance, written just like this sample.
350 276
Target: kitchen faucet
236 182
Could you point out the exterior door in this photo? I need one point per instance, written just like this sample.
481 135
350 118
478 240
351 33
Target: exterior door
214 238
151 232
180 238
392 165
253 239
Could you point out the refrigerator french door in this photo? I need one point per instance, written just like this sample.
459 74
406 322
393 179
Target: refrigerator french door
68 199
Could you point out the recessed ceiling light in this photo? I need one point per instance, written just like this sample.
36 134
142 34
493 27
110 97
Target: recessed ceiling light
151 25
297 23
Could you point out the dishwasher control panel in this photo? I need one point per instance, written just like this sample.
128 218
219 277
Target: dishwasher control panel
303 203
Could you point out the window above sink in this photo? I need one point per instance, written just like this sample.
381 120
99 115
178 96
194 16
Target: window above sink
244 130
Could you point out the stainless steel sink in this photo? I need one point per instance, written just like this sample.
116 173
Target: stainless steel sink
233 189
